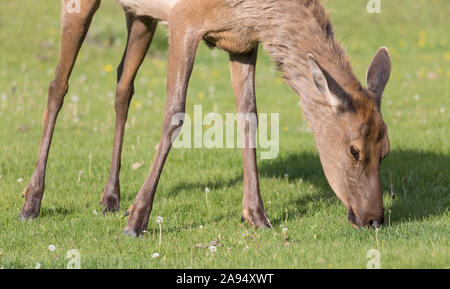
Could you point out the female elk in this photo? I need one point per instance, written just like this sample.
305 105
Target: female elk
345 117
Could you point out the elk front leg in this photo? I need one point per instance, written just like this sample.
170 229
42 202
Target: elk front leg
183 46
243 80
140 34
75 25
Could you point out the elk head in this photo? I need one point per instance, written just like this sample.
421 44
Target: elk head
353 141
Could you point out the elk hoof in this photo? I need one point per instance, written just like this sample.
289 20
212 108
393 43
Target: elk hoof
110 204
257 218
30 209
130 233
26 215
22 219
137 221
32 203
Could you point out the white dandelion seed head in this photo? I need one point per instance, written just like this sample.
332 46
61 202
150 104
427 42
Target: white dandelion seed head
155 255
19 180
416 97
201 226
159 220
95 212
75 98
38 266
206 190
212 249
285 230
52 248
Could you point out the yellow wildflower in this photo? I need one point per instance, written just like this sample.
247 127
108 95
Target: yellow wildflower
447 56
421 42
108 68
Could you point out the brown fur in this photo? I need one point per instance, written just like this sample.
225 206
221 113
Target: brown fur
345 117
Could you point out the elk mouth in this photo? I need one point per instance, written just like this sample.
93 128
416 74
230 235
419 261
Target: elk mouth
353 220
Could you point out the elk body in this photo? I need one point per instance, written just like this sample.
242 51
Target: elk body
345 117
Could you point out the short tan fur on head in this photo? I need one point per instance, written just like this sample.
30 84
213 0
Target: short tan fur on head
355 140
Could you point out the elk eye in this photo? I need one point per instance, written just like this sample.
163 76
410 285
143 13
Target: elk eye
354 152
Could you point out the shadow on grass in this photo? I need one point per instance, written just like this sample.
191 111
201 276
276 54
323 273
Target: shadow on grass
305 166
55 211
419 182
213 185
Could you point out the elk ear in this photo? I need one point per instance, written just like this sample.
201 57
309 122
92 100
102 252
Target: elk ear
378 72
336 97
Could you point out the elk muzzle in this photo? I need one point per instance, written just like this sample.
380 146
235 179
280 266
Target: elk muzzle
366 219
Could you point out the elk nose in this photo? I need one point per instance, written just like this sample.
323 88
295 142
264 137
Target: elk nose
377 222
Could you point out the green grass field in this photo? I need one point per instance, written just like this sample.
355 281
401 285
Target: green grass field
415 107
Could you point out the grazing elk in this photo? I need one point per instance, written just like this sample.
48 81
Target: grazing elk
345 118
